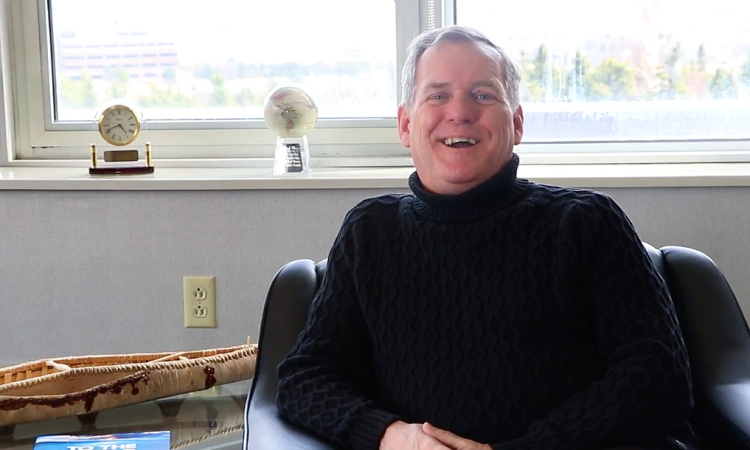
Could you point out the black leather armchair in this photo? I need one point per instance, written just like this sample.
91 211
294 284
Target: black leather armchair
284 316
715 331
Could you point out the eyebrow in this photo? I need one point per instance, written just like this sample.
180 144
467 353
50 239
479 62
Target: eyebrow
437 85
486 83
442 84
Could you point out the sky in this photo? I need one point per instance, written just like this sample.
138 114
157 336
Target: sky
328 30
716 23
250 30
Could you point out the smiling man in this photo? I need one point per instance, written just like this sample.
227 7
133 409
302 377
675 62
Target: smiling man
460 120
485 311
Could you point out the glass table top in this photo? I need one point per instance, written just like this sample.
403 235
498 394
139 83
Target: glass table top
212 419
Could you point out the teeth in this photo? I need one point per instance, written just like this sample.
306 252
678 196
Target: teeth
451 141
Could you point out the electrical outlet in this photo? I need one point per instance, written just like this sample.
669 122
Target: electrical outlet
199 298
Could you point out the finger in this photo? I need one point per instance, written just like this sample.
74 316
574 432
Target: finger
435 444
446 437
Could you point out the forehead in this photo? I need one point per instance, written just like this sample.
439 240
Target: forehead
458 63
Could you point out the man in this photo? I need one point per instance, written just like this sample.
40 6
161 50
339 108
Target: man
485 311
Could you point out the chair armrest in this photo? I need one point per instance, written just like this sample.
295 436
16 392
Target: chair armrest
266 430
730 405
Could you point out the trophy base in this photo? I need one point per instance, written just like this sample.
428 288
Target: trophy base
291 157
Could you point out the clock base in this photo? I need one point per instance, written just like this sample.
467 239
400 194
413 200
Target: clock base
121 170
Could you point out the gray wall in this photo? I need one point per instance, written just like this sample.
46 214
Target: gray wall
90 272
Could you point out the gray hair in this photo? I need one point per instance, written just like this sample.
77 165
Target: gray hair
456 33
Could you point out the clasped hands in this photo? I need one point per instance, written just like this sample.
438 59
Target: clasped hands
404 436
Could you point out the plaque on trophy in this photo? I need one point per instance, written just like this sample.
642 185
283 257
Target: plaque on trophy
291 113
293 161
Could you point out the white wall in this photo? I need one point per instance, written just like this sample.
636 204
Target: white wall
90 272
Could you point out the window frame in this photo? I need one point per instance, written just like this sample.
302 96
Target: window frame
30 137
7 119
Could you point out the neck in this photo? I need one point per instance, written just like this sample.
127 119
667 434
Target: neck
500 190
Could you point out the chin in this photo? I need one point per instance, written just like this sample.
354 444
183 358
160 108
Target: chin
462 179
461 173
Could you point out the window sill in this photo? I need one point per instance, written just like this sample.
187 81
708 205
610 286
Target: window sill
187 179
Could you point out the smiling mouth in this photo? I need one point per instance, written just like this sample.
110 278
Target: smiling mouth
459 142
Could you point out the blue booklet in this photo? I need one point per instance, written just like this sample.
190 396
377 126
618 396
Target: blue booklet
150 440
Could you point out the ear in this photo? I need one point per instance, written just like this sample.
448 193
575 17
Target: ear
517 125
404 126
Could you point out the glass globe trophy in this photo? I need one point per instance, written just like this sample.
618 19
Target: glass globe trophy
291 113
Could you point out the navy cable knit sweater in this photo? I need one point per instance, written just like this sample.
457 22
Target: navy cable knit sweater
518 315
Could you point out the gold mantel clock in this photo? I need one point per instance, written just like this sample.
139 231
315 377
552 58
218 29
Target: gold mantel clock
119 125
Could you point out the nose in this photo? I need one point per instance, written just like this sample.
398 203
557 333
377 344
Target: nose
461 109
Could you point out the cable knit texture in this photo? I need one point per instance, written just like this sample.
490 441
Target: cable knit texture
519 315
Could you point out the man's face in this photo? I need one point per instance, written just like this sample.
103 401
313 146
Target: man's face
461 129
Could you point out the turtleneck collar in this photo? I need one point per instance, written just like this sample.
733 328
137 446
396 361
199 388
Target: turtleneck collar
500 190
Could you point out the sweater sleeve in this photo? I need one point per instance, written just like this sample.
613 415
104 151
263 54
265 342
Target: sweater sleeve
646 390
325 383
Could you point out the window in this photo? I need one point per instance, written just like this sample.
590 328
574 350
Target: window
608 70
604 80
214 81
226 70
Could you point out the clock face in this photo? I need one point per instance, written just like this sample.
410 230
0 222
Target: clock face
119 125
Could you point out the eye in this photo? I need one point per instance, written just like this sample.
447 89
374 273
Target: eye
437 97
484 97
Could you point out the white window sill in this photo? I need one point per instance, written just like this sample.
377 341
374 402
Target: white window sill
586 176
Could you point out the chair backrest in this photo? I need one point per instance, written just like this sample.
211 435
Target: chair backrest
320 270
292 291
711 320
284 316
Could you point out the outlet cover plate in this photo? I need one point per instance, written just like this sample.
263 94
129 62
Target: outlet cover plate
199 301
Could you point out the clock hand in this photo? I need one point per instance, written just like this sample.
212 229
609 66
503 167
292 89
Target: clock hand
112 128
